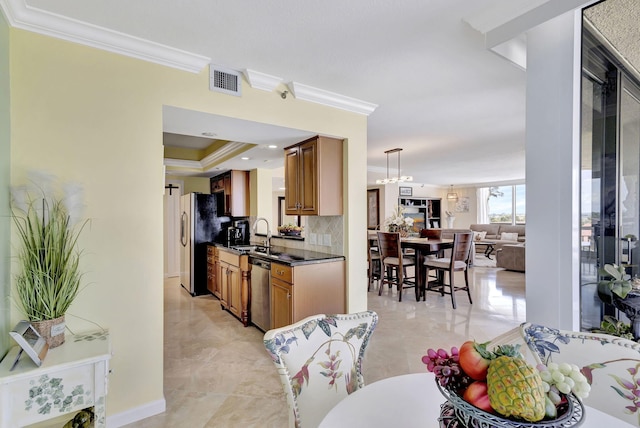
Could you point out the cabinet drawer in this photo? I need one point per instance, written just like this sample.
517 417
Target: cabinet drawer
282 272
232 259
211 270
210 259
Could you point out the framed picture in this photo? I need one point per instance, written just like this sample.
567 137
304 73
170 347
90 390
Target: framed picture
406 191
462 205
30 341
373 210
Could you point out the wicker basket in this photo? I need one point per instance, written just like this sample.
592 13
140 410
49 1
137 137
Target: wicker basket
51 330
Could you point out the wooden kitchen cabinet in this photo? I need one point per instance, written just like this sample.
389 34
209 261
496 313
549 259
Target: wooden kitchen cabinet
305 290
313 177
233 187
232 275
212 283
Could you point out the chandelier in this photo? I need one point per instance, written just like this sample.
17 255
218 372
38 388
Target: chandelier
452 196
398 178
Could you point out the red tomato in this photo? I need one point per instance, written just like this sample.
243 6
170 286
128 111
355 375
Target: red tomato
476 394
474 359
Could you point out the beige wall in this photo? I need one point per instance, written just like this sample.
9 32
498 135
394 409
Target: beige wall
96 117
192 184
5 136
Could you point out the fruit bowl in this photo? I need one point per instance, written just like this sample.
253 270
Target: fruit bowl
457 413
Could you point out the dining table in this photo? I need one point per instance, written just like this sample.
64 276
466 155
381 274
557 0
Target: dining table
413 400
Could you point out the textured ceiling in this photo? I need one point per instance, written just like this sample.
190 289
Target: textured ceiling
619 22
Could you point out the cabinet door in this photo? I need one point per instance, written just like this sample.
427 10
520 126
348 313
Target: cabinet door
223 283
211 278
292 181
281 303
308 178
235 293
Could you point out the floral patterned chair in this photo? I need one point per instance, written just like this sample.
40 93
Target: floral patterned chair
319 360
611 364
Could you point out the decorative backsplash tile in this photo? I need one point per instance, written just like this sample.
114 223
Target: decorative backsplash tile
320 225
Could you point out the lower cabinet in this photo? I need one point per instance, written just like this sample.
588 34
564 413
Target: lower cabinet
233 283
212 283
304 290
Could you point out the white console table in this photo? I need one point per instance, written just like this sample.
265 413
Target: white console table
72 377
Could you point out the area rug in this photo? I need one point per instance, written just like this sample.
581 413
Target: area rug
482 261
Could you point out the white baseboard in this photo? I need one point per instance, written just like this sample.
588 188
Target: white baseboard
137 414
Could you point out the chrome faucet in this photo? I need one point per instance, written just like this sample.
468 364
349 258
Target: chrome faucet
267 243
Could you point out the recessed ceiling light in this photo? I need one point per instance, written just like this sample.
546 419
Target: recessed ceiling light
244 158
273 146
209 134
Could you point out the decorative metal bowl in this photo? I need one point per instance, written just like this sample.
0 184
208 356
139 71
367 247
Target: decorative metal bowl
457 413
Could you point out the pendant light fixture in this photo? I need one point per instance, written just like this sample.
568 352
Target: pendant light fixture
452 196
398 178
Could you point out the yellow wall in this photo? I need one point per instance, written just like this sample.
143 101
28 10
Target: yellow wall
5 136
96 117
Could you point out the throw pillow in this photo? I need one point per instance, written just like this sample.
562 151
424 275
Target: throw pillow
509 236
479 236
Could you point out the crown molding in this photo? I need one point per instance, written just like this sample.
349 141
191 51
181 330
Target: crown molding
262 81
331 99
20 15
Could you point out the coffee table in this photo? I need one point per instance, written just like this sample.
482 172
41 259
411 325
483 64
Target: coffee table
489 247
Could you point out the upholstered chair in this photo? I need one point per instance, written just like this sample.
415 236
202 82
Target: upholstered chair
319 360
610 364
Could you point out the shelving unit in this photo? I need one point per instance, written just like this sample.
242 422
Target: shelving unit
425 210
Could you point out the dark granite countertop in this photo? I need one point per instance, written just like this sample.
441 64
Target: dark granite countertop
287 256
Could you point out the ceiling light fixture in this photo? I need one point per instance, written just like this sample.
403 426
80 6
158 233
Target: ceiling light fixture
398 178
209 134
452 196
273 146
244 158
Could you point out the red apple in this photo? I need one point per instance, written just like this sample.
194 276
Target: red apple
475 359
476 394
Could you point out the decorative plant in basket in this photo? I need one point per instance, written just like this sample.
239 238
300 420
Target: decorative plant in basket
290 229
49 276
397 222
498 388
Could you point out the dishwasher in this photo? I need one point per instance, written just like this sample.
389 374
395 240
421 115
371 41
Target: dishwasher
260 293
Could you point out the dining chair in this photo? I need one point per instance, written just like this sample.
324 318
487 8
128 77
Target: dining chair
393 261
373 259
459 261
431 233
319 360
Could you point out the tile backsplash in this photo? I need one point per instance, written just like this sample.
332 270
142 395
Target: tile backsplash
322 226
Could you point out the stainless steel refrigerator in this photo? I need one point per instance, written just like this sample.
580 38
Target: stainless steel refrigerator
199 226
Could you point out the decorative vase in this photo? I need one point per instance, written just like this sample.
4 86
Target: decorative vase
450 221
51 330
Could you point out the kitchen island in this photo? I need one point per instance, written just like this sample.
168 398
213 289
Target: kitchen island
301 282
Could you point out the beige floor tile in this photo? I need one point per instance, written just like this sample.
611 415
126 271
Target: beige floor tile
217 373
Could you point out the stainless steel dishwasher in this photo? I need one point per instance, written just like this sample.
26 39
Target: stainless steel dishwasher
260 293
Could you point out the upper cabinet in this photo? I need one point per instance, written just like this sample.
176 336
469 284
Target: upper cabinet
313 177
233 186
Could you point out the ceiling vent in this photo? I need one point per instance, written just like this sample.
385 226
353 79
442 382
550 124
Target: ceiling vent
225 80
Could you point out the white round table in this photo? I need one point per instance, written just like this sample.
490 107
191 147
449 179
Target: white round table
413 400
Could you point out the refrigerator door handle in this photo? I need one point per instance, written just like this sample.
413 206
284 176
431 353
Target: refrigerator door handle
183 226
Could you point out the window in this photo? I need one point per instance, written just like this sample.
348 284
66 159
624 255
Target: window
506 204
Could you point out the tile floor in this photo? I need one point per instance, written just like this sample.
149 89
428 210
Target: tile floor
217 373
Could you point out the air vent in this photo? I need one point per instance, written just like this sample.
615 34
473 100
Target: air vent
225 80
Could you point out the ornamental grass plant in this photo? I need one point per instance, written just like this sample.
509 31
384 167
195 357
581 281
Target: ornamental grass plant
49 274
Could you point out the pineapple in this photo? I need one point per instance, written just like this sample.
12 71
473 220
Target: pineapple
515 388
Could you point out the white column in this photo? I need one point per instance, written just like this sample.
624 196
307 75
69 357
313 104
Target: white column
553 172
